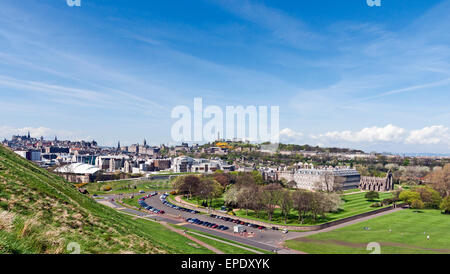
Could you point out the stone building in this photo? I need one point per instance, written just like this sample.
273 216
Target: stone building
377 184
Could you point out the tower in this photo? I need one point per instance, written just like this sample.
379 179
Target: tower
29 135
118 145
145 143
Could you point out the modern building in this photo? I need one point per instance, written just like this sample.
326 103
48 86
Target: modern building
78 172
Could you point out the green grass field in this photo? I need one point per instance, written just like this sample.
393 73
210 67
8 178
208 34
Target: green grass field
41 213
224 247
403 232
128 186
215 204
354 204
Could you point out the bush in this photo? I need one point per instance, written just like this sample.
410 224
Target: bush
106 188
409 196
376 205
372 195
417 204
445 205
388 201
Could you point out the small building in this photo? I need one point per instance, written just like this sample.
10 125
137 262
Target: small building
78 173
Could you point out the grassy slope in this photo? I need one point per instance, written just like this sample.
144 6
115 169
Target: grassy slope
42 213
127 186
408 234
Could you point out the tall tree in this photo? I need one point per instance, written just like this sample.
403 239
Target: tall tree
286 204
271 195
302 201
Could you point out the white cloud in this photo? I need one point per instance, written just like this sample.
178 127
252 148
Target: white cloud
289 135
432 135
389 133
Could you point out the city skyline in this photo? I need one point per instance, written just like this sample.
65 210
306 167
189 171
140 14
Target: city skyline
344 74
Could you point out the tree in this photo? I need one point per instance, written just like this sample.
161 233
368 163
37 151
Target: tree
409 196
286 204
231 196
326 182
417 204
372 195
209 189
223 178
302 201
271 195
429 196
245 178
187 184
246 197
445 205
316 204
440 180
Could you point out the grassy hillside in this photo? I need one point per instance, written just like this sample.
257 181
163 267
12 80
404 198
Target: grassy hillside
42 213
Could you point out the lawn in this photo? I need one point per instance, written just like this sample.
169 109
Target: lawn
354 204
224 247
128 186
403 232
216 203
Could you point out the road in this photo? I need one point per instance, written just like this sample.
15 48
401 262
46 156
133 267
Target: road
266 240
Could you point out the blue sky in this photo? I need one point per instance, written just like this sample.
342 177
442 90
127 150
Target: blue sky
343 73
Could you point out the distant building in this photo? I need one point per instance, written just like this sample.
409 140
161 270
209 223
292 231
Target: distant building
30 155
78 173
322 179
378 184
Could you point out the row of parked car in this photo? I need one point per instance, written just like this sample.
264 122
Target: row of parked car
143 204
165 202
207 224
238 222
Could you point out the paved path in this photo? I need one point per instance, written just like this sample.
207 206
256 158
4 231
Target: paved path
268 240
213 249
228 243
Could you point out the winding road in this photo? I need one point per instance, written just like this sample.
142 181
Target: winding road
268 240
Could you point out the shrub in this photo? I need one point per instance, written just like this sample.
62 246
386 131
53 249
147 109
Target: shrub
409 196
376 205
445 205
106 188
388 201
417 204
372 195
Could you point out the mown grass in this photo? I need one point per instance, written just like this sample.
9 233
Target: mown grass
353 204
128 186
41 213
403 232
226 248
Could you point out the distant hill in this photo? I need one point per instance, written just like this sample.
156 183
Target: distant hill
296 148
42 213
